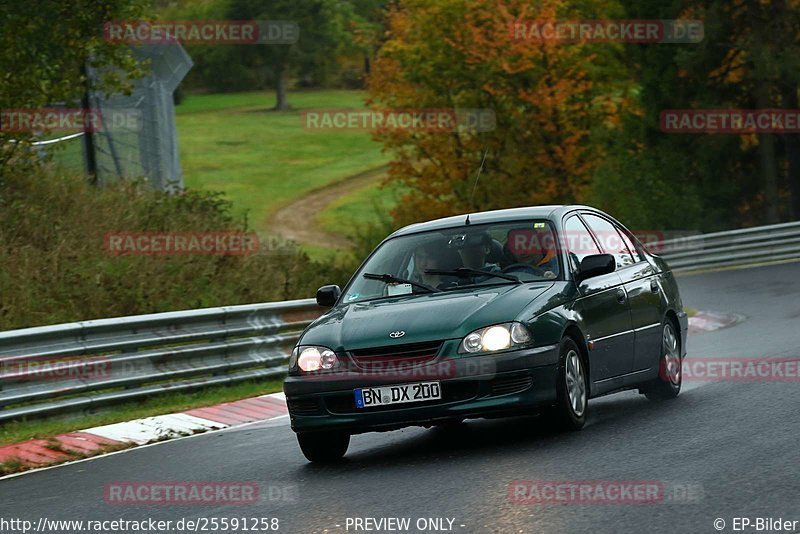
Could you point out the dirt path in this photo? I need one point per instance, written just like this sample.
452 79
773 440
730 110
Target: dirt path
296 220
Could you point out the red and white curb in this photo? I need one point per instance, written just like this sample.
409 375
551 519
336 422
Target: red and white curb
40 452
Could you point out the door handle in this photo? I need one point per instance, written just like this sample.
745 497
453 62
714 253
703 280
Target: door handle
620 296
654 285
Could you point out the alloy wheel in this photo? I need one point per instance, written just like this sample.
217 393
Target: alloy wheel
576 383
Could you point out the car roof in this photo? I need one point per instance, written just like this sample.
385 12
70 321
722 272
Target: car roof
507 215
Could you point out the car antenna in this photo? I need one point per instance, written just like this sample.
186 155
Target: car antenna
475 186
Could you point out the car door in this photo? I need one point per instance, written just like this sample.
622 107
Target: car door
648 305
603 305
642 286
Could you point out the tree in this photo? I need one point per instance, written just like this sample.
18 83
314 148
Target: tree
369 27
555 104
42 56
321 34
749 58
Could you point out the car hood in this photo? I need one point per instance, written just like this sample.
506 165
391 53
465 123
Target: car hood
426 317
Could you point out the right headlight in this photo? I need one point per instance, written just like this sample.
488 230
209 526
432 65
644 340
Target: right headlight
496 337
312 358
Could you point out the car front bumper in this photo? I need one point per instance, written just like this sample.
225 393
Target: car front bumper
473 386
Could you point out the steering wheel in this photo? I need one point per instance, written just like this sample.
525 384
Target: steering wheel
536 271
524 267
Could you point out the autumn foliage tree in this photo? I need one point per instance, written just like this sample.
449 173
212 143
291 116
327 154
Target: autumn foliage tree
749 58
554 102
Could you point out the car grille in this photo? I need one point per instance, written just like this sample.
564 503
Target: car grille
392 357
504 386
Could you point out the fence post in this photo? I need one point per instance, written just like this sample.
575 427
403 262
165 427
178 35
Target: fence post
89 156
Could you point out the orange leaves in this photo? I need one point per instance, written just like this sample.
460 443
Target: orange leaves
552 102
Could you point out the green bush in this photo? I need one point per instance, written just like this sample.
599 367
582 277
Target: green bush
54 265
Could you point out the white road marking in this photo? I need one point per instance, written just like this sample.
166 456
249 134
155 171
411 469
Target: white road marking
141 431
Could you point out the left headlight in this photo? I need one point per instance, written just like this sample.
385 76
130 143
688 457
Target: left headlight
496 337
312 358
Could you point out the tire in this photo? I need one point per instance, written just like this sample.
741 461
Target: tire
667 385
323 447
572 398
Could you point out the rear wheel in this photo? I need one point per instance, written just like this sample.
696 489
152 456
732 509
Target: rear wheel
667 384
323 447
571 407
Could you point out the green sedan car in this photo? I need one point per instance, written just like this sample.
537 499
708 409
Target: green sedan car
511 312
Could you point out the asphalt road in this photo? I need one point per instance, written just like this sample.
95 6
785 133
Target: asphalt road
732 445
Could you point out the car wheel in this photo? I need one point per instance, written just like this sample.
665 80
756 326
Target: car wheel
572 399
323 447
667 384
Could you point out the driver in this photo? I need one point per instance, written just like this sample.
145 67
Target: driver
532 251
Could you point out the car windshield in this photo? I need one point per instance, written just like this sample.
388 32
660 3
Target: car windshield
454 258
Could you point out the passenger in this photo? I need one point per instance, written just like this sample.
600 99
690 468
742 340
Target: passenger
429 256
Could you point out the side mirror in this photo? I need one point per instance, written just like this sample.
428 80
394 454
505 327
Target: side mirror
328 295
595 265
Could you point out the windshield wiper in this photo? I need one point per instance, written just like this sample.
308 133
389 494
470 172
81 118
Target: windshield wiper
391 279
464 272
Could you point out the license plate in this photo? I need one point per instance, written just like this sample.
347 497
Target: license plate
400 394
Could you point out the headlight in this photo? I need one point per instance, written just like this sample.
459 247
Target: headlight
311 358
496 337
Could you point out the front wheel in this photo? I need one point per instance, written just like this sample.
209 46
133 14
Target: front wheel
572 404
323 447
667 384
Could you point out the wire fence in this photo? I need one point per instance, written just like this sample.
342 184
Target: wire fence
66 152
138 137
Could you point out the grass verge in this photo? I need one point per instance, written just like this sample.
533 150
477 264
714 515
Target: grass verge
368 205
262 159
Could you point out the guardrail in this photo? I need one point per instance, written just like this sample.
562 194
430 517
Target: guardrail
79 366
732 248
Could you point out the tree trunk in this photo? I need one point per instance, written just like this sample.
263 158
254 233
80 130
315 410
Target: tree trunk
787 29
769 169
792 147
280 91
